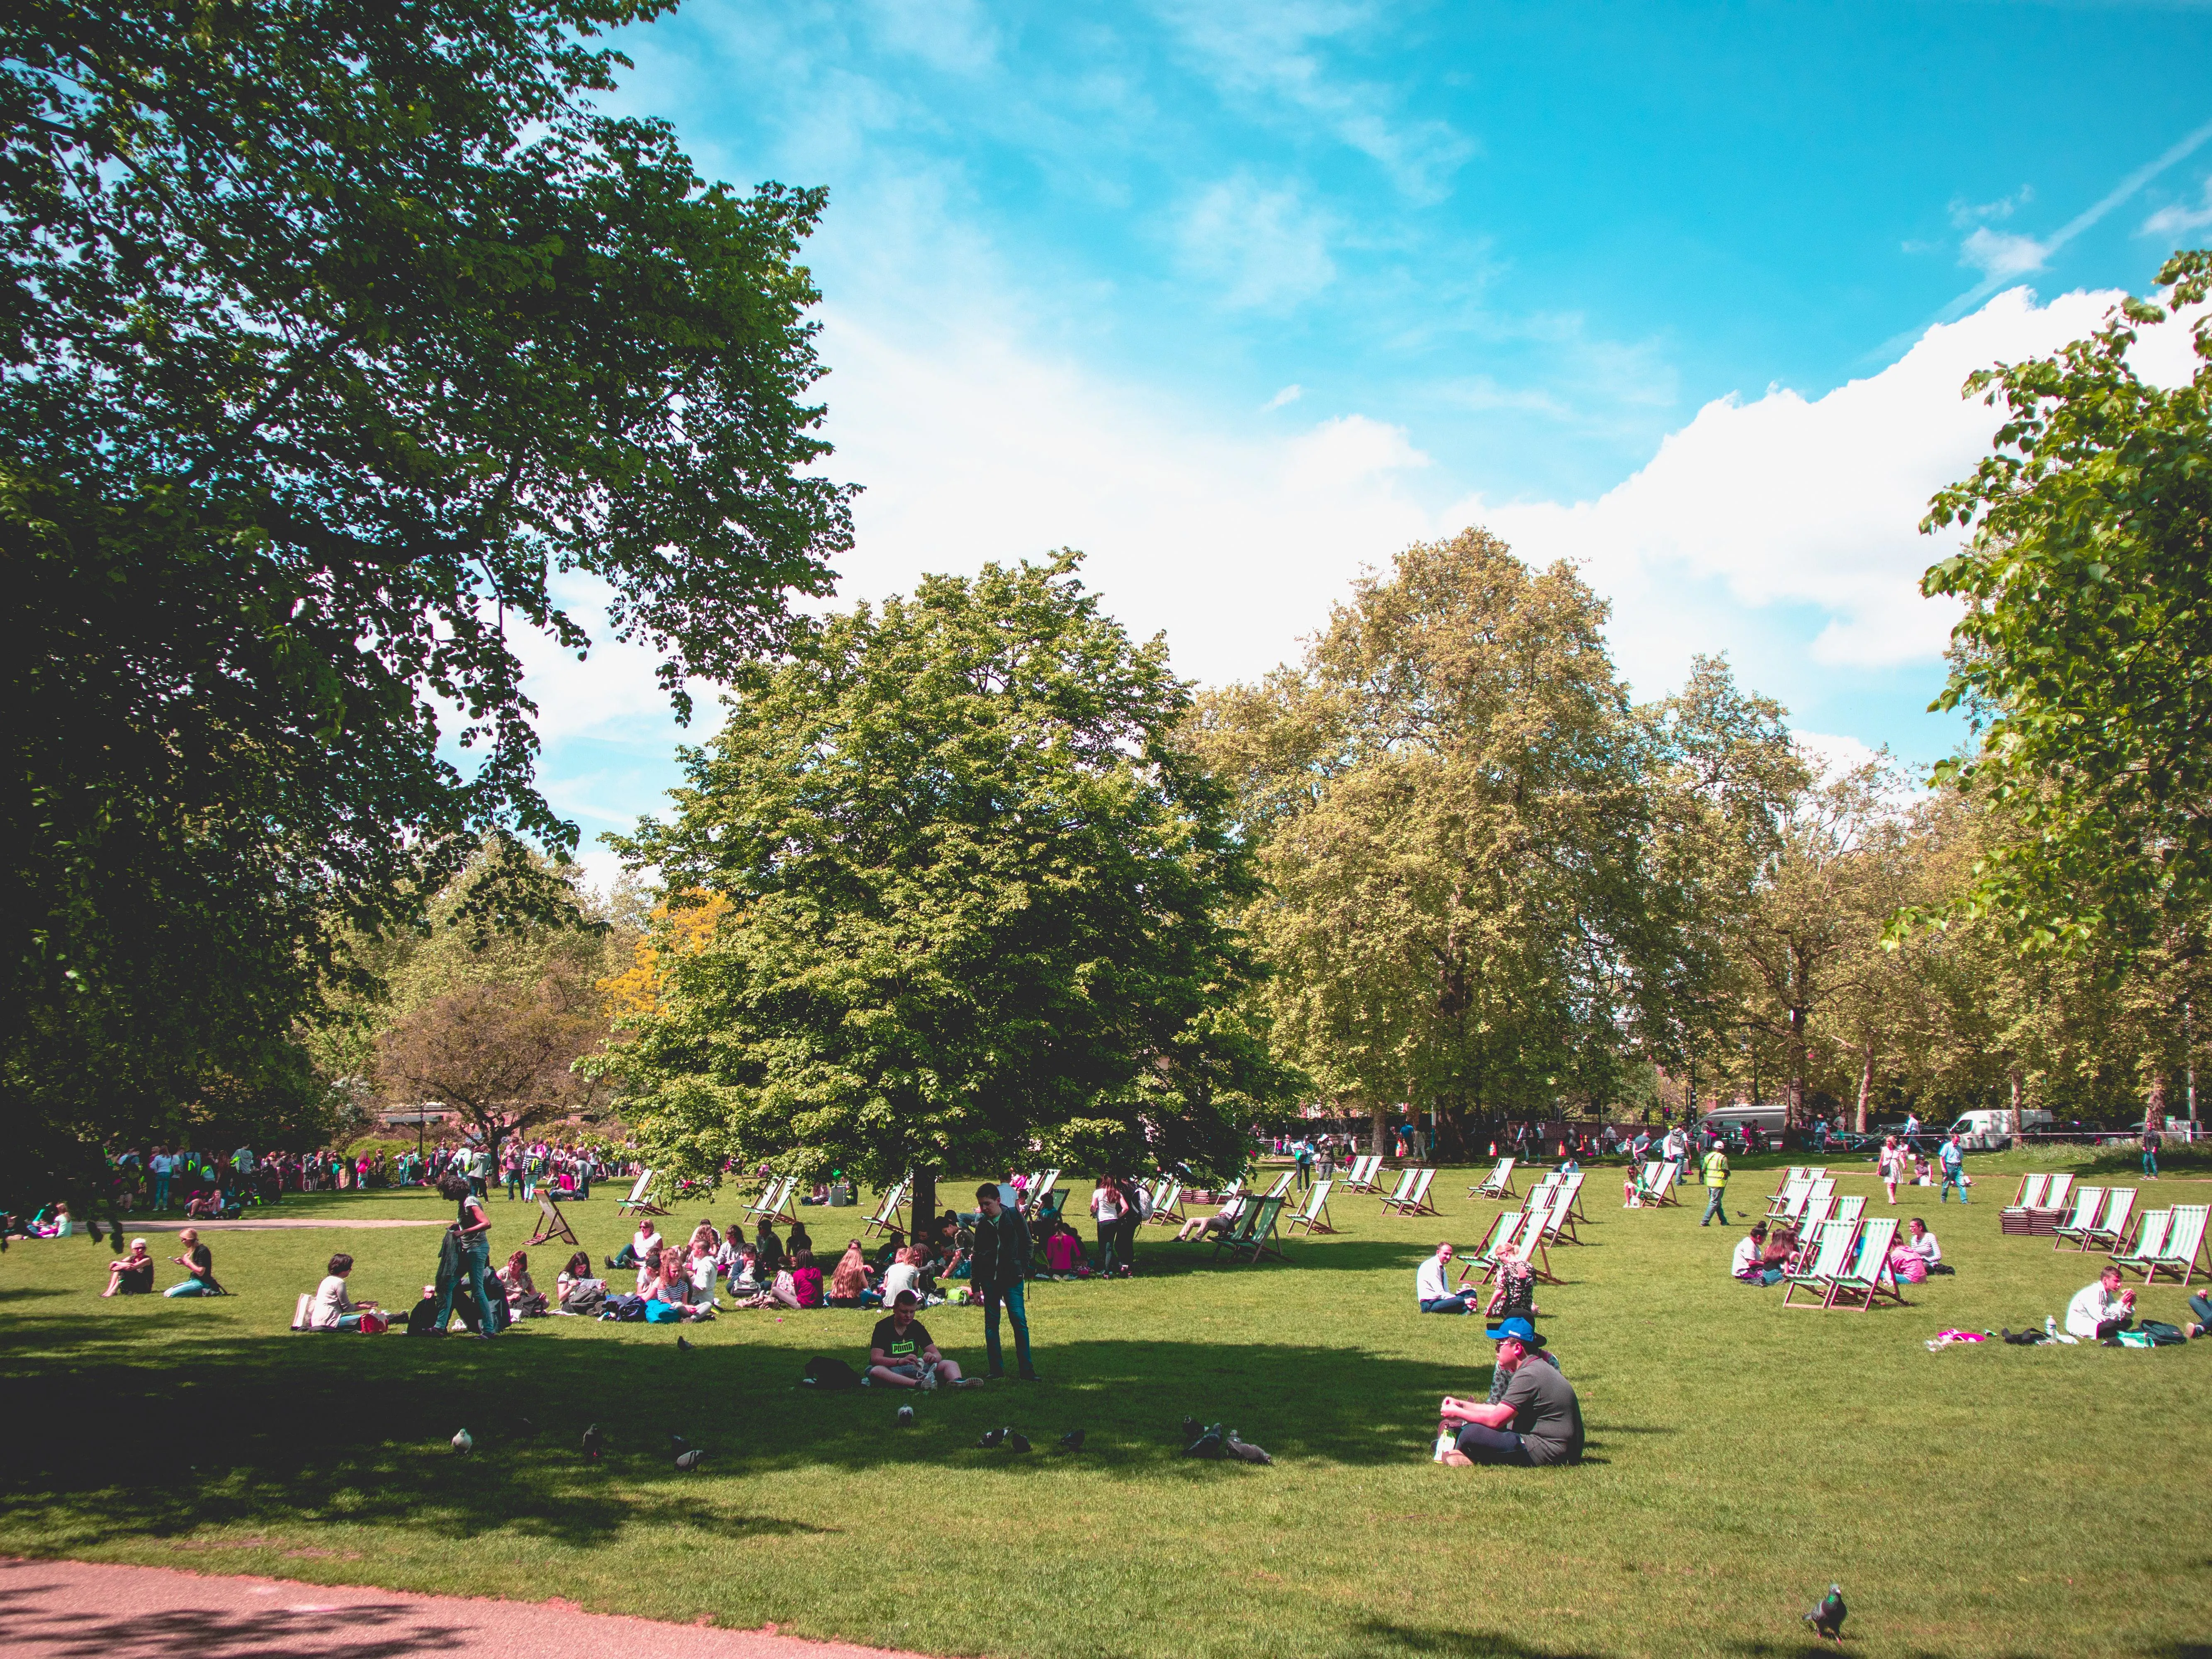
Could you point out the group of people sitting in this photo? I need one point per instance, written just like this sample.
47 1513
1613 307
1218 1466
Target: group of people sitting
1768 1255
1513 1297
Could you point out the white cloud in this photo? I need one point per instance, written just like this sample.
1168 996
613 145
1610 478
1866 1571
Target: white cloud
1289 394
1999 254
1964 213
1831 754
2178 219
1263 247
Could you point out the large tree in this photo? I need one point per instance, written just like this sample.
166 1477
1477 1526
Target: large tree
332 332
2087 645
979 906
1450 798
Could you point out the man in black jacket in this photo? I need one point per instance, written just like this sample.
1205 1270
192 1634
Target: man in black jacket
1001 1263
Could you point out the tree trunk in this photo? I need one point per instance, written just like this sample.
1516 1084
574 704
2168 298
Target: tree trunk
1866 1087
1378 1147
2019 1140
2155 1107
922 1201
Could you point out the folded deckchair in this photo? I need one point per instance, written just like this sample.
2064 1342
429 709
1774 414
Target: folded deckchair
1831 1251
2088 1202
2019 1215
888 1216
1498 1183
1413 1201
2112 1231
640 1201
1360 1178
1870 1277
552 1223
2045 1218
774 1201
2184 1249
2150 1246
1314 1218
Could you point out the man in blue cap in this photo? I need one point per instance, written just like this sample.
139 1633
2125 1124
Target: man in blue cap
1536 1421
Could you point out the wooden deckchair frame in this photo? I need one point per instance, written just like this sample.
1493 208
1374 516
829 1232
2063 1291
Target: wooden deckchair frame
1282 1188
1500 1233
2029 1194
640 1201
552 1223
1405 1185
1314 1218
1498 1183
1833 1244
1360 1176
1864 1282
1239 1232
1788 1204
888 1215
1530 1248
1264 1239
1851 1209
2151 1229
2088 1204
2119 1206
2181 1254
1039 1189
1414 1201
1167 1208
774 1203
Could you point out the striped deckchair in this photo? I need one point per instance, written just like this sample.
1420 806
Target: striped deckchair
1869 1279
1663 1192
1167 1205
1796 1174
1413 1201
1831 1255
1498 1183
2150 1246
1503 1226
1360 1178
1528 1246
640 1201
2019 1215
1405 1178
2112 1231
888 1216
2088 1202
1849 1209
774 1202
1040 1190
1818 1213
1314 1218
1788 1204
2184 1249
1282 1186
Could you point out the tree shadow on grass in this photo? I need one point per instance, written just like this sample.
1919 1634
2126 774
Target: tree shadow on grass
139 1435
1381 1636
369 1632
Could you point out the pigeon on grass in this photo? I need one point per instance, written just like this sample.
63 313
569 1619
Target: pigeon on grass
993 1438
1017 1441
1192 1428
1070 1441
689 1461
1243 1450
465 1442
594 1444
906 1417
1207 1443
1828 1617
682 1343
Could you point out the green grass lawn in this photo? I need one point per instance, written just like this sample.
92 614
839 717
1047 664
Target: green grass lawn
1982 1500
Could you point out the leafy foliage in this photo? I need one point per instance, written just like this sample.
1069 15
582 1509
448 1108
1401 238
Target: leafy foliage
332 333
979 904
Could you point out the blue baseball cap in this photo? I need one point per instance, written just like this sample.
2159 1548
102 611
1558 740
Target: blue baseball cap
1518 1330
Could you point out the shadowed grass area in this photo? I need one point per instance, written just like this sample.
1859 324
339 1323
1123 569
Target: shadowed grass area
1979 1501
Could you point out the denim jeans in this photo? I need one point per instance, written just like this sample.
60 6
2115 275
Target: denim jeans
476 1262
2201 1305
160 1192
1109 1234
1015 1311
1457 1305
1953 1176
190 1287
1482 1444
1714 1207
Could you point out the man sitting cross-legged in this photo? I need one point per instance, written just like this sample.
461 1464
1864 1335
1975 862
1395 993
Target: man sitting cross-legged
1433 1285
1537 1420
901 1353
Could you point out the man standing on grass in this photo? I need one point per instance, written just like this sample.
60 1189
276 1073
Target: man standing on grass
1717 1174
995 1273
1538 1420
1953 1160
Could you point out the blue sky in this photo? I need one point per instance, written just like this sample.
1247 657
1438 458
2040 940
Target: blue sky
1239 298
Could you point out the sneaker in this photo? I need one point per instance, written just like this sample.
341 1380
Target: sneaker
1029 1376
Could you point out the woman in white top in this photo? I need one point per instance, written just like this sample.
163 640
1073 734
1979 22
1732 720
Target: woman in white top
1106 1205
332 1309
1892 1164
904 1275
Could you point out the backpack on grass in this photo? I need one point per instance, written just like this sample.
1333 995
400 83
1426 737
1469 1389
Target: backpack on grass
829 1375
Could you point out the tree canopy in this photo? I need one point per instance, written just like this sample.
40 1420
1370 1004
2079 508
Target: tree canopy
332 334
980 906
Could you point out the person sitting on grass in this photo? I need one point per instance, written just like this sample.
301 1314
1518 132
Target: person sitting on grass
848 1281
642 1243
1515 1295
797 1239
805 1280
1063 1250
198 1263
1917 1254
901 1353
332 1309
904 1275
1536 1418
1199 1226
668 1301
768 1254
524 1299
578 1275
1433 1290
55 1224
133 1275
1749 1262
2102 1310
2201 1305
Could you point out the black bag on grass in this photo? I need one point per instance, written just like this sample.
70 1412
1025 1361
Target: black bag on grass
831 1375
2161 1334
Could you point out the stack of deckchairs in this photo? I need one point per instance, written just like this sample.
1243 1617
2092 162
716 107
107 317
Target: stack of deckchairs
2040 1206
1411 1196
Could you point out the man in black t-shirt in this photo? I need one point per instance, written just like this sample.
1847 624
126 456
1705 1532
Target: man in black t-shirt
901 1353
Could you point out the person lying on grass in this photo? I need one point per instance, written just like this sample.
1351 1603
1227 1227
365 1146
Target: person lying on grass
133 1275
1535 1418
332 1309
901 1353
2102 1310
1432 1291
1200 1226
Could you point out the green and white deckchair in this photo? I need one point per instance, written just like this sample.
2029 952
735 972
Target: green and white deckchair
775 1200
1413 1200
640 1201
1849 1209
1793 1175
1503 1228
1870 1277
2088 1202
1314 1218
1831 1250
2111 1231
1167 1208
1788 1204
1262 1239
1033 1200
889 1217
2183 1252
2149 1244
1406 1176
1360 1178
1498 1183
1282 1186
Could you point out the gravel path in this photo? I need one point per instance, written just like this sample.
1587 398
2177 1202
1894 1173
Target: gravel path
80 1610
131 1226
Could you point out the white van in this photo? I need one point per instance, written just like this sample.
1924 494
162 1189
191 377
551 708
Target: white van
1730 1119
1991 1131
